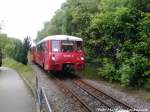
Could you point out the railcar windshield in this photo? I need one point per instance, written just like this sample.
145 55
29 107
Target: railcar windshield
67 46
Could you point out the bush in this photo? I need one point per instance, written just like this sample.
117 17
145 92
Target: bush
147 85
127 74
134 71
108 71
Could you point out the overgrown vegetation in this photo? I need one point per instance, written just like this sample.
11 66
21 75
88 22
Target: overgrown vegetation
116 35
14 48
20 51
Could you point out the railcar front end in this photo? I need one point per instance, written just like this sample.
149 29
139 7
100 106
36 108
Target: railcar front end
67 55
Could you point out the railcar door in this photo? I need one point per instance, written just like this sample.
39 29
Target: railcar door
56 54
46 55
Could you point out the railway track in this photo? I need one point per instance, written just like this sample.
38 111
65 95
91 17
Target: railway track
91 98
71 93
107 100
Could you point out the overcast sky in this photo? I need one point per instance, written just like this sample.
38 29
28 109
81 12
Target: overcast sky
26 17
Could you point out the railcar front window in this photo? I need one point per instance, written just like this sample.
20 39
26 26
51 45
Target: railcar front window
55 46
67 46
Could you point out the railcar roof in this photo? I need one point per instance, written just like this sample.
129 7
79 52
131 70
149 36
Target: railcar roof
60 37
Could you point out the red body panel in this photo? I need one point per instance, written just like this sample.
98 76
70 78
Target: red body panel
69 58
44 58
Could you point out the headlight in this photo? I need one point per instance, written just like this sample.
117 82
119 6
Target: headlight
82 58
53 58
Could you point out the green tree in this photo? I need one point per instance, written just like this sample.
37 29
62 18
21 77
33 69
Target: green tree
25 49
20 52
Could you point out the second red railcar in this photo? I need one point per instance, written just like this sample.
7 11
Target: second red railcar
33 51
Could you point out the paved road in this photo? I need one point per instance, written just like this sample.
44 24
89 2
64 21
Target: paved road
14 95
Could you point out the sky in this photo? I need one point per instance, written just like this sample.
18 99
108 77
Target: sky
21 18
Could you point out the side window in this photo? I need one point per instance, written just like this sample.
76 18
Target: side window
46 46
43 46
55 46
38 47
78 45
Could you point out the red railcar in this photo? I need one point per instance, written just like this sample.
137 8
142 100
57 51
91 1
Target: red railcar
60 52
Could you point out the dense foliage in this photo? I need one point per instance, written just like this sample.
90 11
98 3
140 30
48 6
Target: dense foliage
116 35
14 48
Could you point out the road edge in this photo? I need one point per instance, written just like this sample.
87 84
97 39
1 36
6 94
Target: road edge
32 90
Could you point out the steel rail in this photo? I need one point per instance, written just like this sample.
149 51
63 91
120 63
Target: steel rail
72 92
93 95
109 96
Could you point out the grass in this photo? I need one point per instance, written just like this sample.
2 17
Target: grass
24 70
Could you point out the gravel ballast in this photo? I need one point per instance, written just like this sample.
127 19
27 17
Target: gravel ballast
58 100
121 96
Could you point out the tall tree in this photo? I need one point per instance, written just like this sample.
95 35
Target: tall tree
26 47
